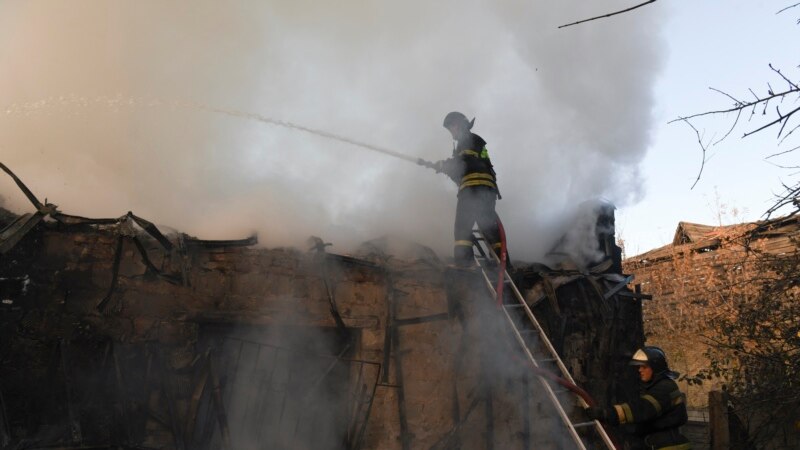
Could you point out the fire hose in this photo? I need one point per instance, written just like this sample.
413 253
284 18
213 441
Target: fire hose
572 387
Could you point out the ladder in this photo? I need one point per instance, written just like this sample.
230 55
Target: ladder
513 306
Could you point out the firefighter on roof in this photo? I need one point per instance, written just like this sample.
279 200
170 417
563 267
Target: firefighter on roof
471 169
659 410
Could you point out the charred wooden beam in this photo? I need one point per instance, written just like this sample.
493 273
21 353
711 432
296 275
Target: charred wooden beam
350 261
246 242
550 290
635 295
12 234
359 438
35 201
322 260
114 275
150 266
618 287
151 229
422 319
70 220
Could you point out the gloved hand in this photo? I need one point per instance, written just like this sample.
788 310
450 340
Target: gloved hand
597 413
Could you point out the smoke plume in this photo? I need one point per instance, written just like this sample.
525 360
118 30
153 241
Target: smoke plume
95 99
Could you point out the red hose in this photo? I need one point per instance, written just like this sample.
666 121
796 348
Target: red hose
577 390
503 258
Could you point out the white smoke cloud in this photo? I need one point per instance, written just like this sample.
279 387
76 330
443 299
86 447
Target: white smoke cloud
89 92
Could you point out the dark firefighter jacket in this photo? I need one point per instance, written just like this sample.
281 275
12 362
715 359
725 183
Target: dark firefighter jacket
470 164
658 412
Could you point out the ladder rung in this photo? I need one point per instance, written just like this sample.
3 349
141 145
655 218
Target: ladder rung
516 305
546 360
583 424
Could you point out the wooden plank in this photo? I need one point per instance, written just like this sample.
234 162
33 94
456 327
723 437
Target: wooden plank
718 420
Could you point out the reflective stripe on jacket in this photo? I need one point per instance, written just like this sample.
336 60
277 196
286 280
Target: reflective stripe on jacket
658 412
470 164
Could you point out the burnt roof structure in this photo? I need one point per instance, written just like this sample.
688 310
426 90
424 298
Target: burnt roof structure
776 236
114 335
690 280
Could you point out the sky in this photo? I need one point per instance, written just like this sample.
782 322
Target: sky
111 106
727 45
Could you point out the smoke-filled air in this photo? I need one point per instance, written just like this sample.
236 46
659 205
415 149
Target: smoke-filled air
177 112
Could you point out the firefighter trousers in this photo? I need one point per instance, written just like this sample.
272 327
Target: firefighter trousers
475 205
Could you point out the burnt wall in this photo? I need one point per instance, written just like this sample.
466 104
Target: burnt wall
109 337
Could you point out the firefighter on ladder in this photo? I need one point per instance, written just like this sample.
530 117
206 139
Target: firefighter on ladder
471 169
659 410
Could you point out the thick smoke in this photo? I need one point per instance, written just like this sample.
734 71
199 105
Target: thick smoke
93 102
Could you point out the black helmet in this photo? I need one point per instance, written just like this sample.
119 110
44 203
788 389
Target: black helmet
455 117
651 356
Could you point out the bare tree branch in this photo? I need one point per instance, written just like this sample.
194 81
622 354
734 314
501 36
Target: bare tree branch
736 101
778 120
703 147
609 14
788 7
783 152
780 166
791 83
784 123
788 134
754 94
738 113
738 106
787 198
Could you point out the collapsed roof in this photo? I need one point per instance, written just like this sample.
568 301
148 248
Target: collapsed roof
113 333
